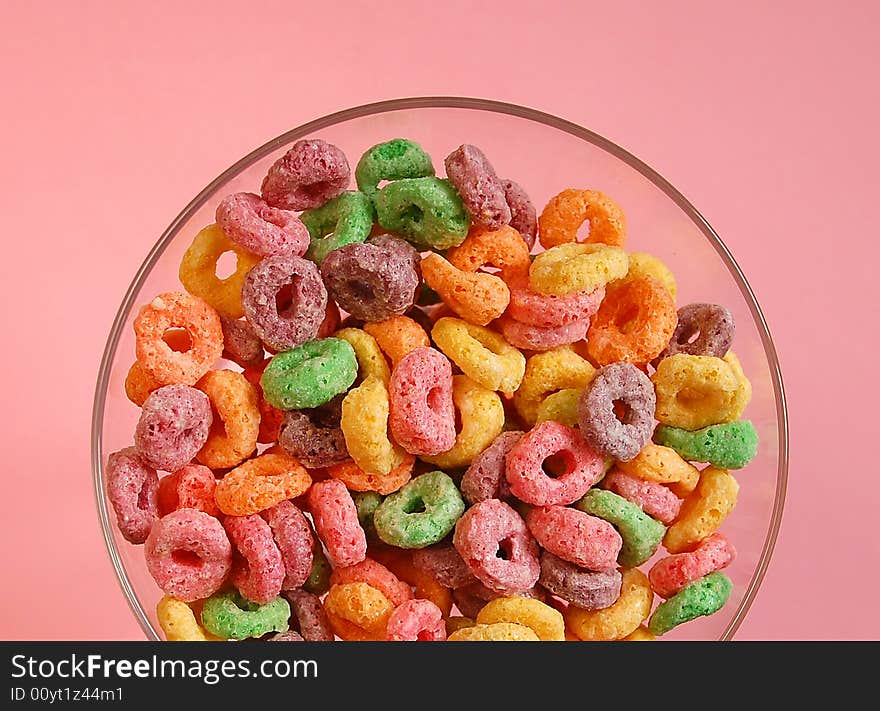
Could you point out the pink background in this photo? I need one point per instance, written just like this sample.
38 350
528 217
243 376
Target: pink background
765 118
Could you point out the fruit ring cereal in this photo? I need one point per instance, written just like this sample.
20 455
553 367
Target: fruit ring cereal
654 499
702 330
534 338
314 436
309 375
357 611
621 437
483 355
546 622
371 361
189 488
549 372
477 297
132 487
396 159
262 230
173 426
235 421
174 310
198 271
703 511
422 414
416 621
346 219
364 424
445 564
375 280
561 406
295 542
257 568
641 534
336 522
188 554
375 575
260 483
665 466
576 267
567 211
704 597
231 616
422 513
523 217
672 574
503 248
482 193
485 477
482 419
497 632
308 175
647 265
581 467
497 546
587 589
425 587
633 324
398 336
427 212
695 391
730 446
178 622
587 541
139 384
366 503
618 620
308 617
241 344
549 311
356 479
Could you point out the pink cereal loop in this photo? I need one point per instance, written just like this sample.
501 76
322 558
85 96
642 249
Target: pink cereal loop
650 496
587 541
311 173
336 522
416 621
293 536
132 487
548 311
263 230
669 575
257 569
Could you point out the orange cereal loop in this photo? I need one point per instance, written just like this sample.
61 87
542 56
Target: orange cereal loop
565 213
375 575
357 612
397 336
356 479
270 416
236 422
476 297
139 384
503 248
198 271
664 466
166 313
634 323
424 584
260 483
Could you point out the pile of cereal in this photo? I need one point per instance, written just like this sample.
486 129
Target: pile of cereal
394 422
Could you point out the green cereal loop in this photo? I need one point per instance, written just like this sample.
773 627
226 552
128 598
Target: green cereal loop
425 211
421 513
366 503
731 445
641 534
318 581
231 616
309 375
345 219
393 160
702 597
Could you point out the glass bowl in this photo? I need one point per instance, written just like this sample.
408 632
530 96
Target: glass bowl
545 154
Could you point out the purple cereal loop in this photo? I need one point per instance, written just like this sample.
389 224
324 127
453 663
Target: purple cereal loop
307 614
246 219
293 536
133 489
314 436
621 439
582 588
523 217
308 175
295 324
482 193
484 478
257 567
241 344
713 326
174 425
444 563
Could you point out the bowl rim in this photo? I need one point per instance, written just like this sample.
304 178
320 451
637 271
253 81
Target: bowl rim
430 102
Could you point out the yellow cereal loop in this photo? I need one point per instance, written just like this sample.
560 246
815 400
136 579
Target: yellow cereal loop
482 419
640 634
497 632
577 267
198 272
744 391
560 406
364 425
696 391
703 511
357 612
546 622
665 466
456 623
616 622
483 355
642 264
546 373
178 622
371 360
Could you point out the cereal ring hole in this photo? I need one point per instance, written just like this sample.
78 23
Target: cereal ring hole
360 289
559 464
181 556
583 231
284 302
143 500
177 339
415 506
625 320
413 213
622 411
690 397
226 265
505 549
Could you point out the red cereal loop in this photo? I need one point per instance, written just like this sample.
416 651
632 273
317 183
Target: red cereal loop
581 466
587 541
257 568
669 575
416 621
132 489
177 310
311 173
293 536
336 522
652 497
263 230
191 487
375 575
